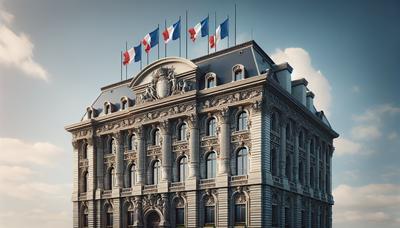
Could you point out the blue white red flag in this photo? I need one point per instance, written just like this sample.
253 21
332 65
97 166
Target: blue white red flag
133 54
172 32
221 32
201 28
150 40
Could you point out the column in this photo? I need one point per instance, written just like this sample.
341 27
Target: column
222 211
194 147
75 170
330 170
225 142
119 159
166 151
296 156
325 154
91 154
117 213
100 163
308 164
282 163
138 212
141 155
317 168
193 208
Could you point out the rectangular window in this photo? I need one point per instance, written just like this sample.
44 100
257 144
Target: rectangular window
275 215
240 214
130 218
85 220
209 215
109 219
287 217
180 216
303 219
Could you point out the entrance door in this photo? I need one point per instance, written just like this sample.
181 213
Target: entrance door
153 220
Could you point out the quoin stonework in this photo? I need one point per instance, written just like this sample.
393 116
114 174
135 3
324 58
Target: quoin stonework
224 140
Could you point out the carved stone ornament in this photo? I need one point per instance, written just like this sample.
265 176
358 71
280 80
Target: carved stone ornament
164 84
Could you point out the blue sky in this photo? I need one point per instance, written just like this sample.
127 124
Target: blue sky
55 56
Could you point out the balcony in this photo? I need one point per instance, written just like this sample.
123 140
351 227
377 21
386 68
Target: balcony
107 193
177 186
126 192
277 181
239 180
207 183
148 189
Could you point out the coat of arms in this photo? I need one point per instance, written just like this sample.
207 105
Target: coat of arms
164 84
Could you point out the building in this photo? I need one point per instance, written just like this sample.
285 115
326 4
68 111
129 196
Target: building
224 140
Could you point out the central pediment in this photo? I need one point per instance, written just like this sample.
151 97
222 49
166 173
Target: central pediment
180 66
163 78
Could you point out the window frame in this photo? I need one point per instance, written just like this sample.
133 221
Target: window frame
211 165
156 169
183 169
242 122
243 159
211 127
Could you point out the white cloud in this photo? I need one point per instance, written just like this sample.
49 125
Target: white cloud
375 203
377 113
300 60
16 50
345 146
365 132
16 151
355 89
30 186
393 135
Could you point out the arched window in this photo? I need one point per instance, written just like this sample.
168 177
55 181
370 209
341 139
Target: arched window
179 213
85 217
109 216
301 139
107 108
241 161
111 179
132 142
288 132
274 122
130 215
238 72
183 169
301 172
209 211
288 168
84 151
132 176
275 211
156 172
89 113
85 182
113 146
124 103
211 165
312 176
156 137
211 82
274 162
240 210
242 121
182 132
211 127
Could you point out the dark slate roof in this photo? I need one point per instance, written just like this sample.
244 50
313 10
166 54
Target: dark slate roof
222 62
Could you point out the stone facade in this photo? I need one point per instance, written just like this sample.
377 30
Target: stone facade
178 150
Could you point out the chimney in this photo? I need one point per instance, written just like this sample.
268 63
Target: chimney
299 90
310 101
283 73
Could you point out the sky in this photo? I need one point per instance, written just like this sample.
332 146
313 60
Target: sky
56 55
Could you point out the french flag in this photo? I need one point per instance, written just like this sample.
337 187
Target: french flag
150 40
221 32
133 54
200 28
172 32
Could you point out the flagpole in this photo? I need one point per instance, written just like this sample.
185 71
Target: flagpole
126 66
235 24
147 58
228 30
180 37
186 32
208 35
165 44
121 65
215 29
158 45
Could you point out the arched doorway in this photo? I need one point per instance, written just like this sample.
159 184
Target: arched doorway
153 220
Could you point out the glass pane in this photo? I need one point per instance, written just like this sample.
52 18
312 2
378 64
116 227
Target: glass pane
240 213
209 215
274 215
180 216
130 218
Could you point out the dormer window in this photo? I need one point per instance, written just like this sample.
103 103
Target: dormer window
211 80
124 103
238 72
107 108
90 113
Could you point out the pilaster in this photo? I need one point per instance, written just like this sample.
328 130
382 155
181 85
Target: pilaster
225 142
166 152
75 170
119 159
